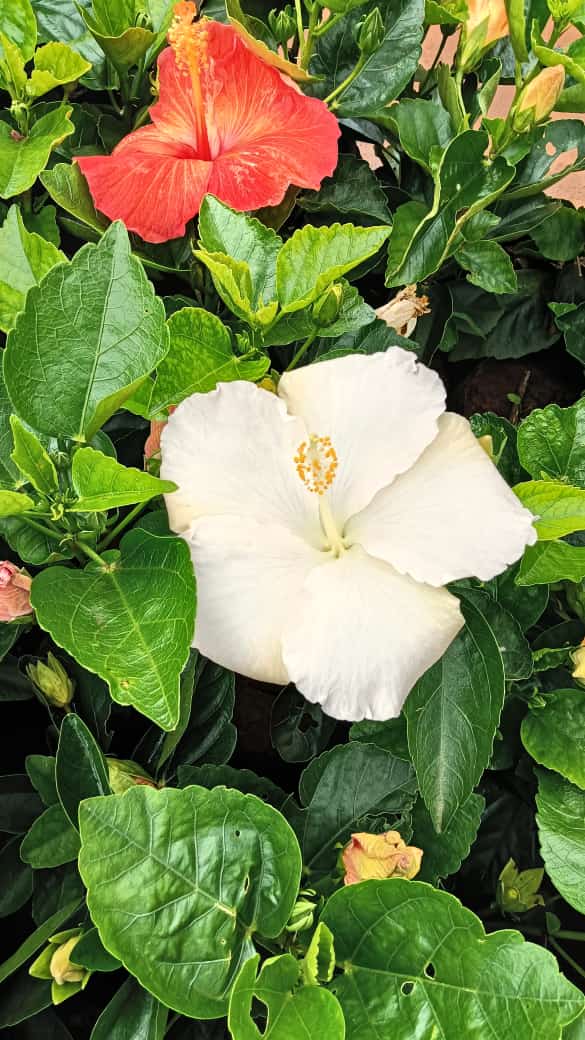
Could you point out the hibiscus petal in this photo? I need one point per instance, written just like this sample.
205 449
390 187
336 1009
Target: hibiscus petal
380 411
363 634
249 579
174 112
149 182
451 516
231 452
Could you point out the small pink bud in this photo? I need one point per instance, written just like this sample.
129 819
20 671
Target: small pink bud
152 443
379 856
14 592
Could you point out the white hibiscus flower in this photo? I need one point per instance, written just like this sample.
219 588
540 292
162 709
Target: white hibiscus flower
324 522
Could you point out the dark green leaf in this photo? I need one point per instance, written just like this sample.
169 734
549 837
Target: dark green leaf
16 878
80 769
489 267
41 770
443 853
22 998
92 954
554 734
131 1013
526 605
551 443
37 939
353 189
389 735
53 888
68 188
19 804
561 236
299 730
51 841
210 735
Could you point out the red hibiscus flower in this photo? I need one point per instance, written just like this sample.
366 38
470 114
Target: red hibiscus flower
225 122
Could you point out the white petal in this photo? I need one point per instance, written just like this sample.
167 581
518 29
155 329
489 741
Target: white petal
451 516
231 452
364 634
380 411
249 578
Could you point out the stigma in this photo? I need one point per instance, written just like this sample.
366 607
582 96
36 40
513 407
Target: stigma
316 464
189 39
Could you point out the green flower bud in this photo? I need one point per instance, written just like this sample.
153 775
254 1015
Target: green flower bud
124 774
517 890
283 24
57 964
52 681
327 307
303 912
371 33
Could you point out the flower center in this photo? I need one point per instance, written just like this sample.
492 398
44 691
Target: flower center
316 463
189 41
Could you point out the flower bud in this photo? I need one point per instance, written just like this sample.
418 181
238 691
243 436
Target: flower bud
283 24
403 311
371 33
14 592
303 913
61 968
152 442
52 680
56 964
385 855
487 443
124 774
327 307
578 659
538 98
517 890
487 22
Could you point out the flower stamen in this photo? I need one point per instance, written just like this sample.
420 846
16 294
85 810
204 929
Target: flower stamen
316 464
189 40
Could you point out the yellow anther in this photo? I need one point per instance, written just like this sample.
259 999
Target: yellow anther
316 463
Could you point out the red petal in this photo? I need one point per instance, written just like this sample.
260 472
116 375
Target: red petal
173 113
150 182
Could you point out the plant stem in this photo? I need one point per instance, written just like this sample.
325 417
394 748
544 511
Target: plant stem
88 551
111 535
300 26
117 109
306 48
346 82
567 956
46 531
573 936
303 349
328 24
423 82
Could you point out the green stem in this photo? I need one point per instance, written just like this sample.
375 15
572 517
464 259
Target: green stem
88 551
113 534
48 533
570 960
119 111
306 50
573 936
328 24
300 26
303 349
423 82
346 82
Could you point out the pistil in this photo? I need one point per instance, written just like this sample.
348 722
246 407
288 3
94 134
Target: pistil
189 42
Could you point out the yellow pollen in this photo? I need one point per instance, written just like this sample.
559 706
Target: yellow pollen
316 463
189 40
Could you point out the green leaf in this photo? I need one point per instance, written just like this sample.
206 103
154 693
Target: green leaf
90 953
178 883
449 980
549 562
561 827
32 459
313 258
570 319
540 169
452 715
554 734
526 605
517 28
293 1009
41 772
18 23
132 1012
244 780
63 22
444 853
200 356
68 188
86 338
561 236
19 805
12 503
424 130
558 508
319 960
37 939
102 483
23 998
385 73
504 436
512 644
352 189
80 769
210 735
25 259
244 239
130 621
389 735
56 64
123 50
350 784
51 841
299 730
170 741
353 315
551 443
23 158
489 267
16 878
423 239
233 283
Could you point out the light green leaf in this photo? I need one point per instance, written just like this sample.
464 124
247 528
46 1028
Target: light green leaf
246 240
448 980
131 1013
80 769
558 508
554 734
354 314
12 68
233 282
56 64
103 483
444 853
87 337
25 259
32 459
561 827
18 23
489 267
200 356
51 841
12 503
319 961
452 715
517 27
551 443
350 783
112 24
548 562
180 880
353 188
23 158
294 1010
130 621
68 188
313 258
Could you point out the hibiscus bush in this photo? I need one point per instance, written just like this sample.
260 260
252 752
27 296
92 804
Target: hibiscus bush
292 509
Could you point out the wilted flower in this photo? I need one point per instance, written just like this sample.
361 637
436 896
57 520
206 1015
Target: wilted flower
14 592
226 122
539 97
518 889
124 774
52 680
322 536
152 442
403 312
385 855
